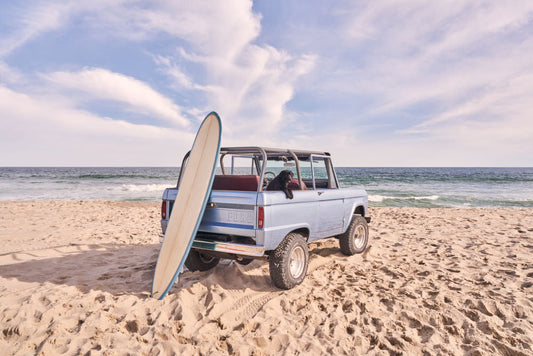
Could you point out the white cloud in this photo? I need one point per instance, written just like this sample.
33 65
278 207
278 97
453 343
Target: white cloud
43 131
420 45
252 92
33 19
106 85
172 69
215 28
9 74
44 111
247 83
41 18
498 117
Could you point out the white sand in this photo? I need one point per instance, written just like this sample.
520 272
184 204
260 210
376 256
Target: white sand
75 277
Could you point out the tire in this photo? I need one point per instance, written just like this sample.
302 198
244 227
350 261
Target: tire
245 261
289 261
355 239
197 261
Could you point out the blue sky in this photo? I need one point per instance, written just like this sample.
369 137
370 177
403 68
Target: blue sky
376 83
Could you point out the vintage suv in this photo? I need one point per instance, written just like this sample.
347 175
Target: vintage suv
243 221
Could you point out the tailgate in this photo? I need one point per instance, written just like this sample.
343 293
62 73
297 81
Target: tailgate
227 212
230 213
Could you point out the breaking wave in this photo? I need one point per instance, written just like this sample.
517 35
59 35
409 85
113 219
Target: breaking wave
144 187
381 198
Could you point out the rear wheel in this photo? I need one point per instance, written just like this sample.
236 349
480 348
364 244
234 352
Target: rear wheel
289 261
244 261
197 261
355 239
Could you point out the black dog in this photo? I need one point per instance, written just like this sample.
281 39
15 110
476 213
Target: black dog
281 182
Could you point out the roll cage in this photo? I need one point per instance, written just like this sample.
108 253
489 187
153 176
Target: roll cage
260 156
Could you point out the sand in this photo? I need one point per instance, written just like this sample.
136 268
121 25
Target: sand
75 279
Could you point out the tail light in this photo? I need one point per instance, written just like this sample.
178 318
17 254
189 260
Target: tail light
260 217
164 210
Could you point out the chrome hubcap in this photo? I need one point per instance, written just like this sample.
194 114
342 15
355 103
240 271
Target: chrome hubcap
297 262
359 236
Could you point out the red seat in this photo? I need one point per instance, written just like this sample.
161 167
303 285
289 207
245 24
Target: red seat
294 185
247 183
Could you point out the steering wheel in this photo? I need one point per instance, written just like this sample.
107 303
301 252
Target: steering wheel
266 180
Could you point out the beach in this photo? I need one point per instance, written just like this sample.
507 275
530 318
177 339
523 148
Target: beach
75 278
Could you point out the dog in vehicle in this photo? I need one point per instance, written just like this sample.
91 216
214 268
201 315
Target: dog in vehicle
281 182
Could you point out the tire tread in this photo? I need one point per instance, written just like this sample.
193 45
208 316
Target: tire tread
346 241
278 262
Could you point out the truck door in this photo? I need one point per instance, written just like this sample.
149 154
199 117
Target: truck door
330 198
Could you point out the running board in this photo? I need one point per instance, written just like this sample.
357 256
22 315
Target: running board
229 247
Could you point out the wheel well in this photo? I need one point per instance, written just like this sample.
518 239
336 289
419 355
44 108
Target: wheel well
360 210
303 231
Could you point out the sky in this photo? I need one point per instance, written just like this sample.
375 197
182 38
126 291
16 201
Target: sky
375 83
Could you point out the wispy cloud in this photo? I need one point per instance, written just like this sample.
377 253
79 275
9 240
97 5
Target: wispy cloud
253 90
248 84
44 131
422 50
98 83
215 28
33 112
9 75
29 23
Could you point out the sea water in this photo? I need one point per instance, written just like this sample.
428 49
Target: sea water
106 183
401 187
443 187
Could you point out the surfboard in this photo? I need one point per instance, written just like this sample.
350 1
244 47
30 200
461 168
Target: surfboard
189 206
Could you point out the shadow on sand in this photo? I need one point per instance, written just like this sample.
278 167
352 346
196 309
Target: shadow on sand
121 269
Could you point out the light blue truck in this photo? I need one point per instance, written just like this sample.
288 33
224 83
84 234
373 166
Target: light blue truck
243 221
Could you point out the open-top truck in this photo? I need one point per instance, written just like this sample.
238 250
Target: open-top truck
244 221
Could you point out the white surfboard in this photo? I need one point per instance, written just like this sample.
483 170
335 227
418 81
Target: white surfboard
189 207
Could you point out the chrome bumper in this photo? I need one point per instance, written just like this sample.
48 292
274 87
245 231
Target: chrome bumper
229 247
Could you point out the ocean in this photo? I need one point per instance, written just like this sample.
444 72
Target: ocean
398 187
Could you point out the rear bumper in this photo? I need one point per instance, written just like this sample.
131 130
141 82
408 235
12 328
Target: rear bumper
229 247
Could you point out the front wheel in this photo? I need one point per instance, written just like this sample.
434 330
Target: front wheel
289 261
355 239
197 261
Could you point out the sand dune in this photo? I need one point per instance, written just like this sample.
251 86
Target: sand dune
75 279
